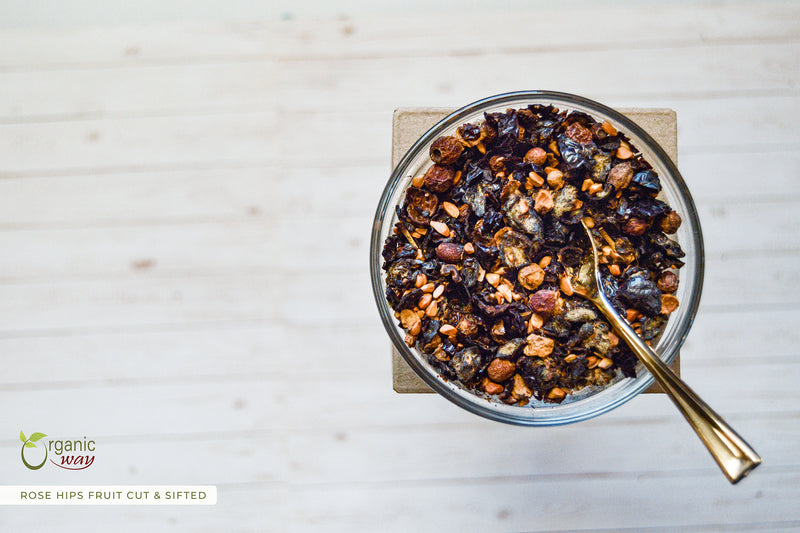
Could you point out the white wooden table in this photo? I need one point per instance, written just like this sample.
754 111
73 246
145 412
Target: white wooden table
184 221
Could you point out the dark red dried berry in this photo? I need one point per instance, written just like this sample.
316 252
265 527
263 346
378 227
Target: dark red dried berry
420 205
620 176
544 301
446 150
537 156
578 133
450 252
497 163
670 223
470 132
439 178
488 133
668 282
634 227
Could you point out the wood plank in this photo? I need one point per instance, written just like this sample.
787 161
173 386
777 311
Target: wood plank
159 90
131 45
280 402
117 303
669 73
758 334
744 176
202 195
509 31
268 138
405 514
207 353
464 451
476 451
132 143
261 85
518 504
407 33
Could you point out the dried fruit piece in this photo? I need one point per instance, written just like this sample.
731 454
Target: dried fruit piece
448 330
530 276
440 227
450 252
446 150
500 370
534 180
565 201
624 152
451 209
640 293
544 202
425 300
668 282
539 346
669 303
520 212
537 156
466 363
555 179
646 181
670 223
439 178
468 325
409 319
513 246
420 205
608 128
544 301
620 176
491 387
556 394
578 133
520 391
634 226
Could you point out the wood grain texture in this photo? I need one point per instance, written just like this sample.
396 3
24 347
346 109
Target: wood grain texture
410 124
184 222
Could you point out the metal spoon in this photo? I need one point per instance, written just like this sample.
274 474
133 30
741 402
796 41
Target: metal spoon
733 455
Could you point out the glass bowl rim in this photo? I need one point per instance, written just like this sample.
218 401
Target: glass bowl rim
518 98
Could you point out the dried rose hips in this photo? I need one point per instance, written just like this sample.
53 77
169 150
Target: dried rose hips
439 178
446 150
478 268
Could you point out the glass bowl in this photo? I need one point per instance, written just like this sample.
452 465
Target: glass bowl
590 401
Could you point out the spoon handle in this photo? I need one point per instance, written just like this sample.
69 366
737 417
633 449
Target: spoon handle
733 455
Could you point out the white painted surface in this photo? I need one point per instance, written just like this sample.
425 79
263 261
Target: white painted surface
184 216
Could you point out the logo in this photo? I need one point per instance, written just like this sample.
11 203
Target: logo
75 454
31 443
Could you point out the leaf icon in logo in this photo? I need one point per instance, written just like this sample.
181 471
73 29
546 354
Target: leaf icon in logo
29 442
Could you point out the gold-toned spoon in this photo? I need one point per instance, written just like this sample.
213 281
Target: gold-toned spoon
733 455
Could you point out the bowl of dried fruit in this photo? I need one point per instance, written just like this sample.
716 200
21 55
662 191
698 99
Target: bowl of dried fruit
477 236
